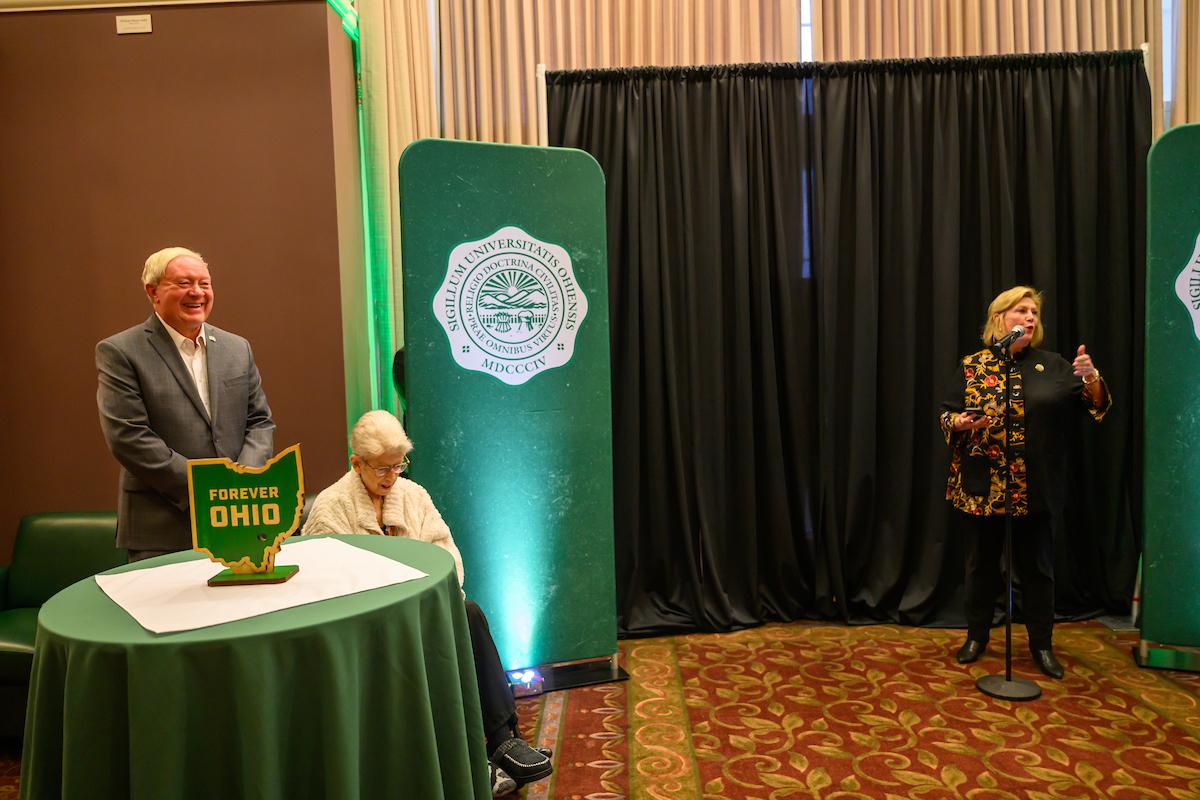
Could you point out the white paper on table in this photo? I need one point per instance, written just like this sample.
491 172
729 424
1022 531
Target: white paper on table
177 597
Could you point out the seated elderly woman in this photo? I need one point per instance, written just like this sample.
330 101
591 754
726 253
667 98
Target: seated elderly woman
373 498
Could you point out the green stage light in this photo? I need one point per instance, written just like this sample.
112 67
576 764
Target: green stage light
525 682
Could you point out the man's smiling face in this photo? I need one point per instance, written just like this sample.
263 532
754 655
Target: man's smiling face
184 295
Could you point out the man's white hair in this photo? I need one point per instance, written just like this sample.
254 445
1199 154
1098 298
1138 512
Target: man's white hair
378 432
157 263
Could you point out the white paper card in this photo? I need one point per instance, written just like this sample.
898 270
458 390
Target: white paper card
177 597
134 23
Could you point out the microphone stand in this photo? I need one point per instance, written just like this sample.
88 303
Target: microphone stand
1006 687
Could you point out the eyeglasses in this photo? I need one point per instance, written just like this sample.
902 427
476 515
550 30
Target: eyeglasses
394 469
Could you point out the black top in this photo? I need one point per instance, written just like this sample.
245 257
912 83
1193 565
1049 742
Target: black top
1046 398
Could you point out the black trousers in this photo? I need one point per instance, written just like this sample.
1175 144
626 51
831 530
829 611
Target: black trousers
1033 559
495 695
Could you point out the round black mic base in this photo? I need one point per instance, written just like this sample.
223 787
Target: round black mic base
1016 689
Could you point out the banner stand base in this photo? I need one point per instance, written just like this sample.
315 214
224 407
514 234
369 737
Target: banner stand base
1164 656
230 578
569 675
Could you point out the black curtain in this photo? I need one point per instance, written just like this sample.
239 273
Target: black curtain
798 256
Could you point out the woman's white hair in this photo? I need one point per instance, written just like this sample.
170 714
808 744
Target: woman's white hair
157 263
378 432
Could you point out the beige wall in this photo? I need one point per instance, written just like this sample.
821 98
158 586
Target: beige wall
217 132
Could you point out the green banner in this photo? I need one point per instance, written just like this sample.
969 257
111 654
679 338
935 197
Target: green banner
1171 556
241 515
507 379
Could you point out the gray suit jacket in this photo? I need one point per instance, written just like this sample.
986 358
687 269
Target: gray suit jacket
153 420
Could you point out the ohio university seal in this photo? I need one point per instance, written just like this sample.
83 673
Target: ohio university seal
510 305
1187 288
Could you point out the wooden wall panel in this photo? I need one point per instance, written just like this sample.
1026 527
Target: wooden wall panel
215 132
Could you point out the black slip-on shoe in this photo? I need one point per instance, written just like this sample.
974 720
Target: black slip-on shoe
1047 663
502 782
971 650
521 761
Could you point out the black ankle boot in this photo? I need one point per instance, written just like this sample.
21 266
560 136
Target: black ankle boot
971 650
1047 663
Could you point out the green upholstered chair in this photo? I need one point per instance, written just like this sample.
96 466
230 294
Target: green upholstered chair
51 551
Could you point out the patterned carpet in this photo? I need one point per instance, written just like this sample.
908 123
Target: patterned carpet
805 710
801 710
10 770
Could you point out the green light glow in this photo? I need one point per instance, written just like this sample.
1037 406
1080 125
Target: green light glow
511 532
348 16
518 627
375 308
368 239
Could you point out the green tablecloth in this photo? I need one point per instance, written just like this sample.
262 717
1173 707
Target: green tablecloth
369 695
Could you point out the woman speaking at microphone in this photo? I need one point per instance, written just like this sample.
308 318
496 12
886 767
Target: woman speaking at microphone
1047 392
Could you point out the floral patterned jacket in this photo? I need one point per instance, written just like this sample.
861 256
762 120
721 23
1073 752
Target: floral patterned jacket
1046 396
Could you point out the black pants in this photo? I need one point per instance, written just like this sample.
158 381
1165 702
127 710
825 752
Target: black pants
1033 559
495 696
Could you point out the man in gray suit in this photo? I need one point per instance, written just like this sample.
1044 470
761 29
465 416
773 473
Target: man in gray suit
171 389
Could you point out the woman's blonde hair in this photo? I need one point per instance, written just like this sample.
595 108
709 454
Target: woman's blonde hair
993 328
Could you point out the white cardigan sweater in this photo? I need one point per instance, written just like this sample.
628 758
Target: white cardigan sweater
345 507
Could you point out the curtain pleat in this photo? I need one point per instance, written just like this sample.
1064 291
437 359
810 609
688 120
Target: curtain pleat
712 324
1185 106
489 49
798 255
849 30
398 107
846 30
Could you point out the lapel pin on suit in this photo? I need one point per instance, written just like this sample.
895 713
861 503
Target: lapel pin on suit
213 339
1038 367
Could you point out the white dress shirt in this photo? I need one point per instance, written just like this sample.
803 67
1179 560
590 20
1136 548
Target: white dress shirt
195 359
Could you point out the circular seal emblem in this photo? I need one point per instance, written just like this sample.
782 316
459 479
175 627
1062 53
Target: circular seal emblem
510 305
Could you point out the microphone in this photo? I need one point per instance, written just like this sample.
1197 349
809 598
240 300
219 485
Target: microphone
1007 339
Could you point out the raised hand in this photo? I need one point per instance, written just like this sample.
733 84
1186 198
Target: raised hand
1083 365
